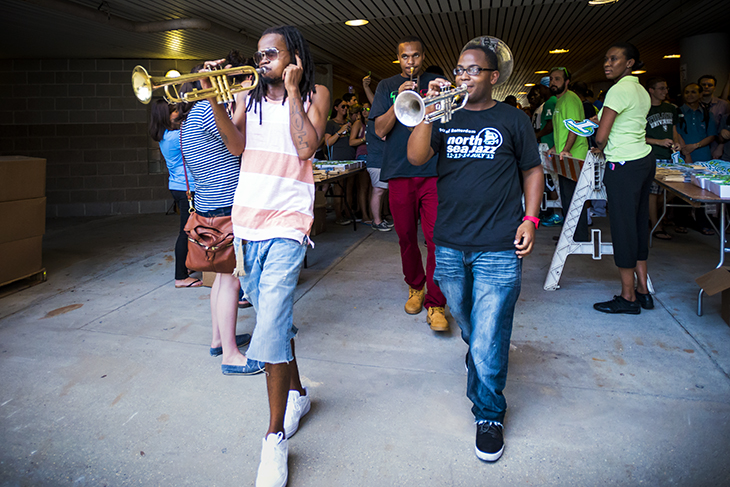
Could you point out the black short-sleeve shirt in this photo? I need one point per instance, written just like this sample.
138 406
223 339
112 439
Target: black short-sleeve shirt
341 149
395 161
480 155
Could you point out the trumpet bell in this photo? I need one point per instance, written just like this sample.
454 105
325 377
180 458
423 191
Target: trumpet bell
142 84
409 108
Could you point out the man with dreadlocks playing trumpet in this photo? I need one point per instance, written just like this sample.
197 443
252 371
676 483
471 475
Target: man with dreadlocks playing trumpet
277 127
481 232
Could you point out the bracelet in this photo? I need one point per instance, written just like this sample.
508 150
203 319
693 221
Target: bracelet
533 219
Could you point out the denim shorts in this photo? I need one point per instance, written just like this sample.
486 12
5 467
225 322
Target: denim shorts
272 271
224 211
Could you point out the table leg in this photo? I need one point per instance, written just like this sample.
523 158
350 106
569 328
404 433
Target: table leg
722 254
659 220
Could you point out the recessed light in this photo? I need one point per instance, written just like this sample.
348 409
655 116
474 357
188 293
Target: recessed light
672 56
529 84
357 22
639 71
522 93
542 72
559 51
601 2
396 61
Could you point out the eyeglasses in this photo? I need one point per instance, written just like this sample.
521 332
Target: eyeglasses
473 70
271 54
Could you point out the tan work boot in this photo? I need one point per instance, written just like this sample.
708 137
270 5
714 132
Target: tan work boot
437 319
414 305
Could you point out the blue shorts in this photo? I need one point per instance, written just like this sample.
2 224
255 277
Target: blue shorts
272 271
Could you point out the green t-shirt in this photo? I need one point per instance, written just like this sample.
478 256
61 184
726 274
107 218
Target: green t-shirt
569 106
631 102
547 115
660 124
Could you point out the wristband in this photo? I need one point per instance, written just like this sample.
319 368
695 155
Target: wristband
533 219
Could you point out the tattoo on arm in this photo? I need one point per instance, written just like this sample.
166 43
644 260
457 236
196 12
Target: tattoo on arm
224 137
299 131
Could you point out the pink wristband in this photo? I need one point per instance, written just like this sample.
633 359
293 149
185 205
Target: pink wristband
533 219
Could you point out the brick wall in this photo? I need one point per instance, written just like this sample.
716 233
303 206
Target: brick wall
82 117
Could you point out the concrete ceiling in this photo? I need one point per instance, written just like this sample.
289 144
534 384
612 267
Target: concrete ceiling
120 29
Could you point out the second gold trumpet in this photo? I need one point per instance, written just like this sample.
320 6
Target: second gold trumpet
143 84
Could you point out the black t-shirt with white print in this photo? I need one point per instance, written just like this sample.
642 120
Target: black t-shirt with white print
395 162
480 154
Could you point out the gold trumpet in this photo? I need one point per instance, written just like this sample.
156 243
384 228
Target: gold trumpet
143 84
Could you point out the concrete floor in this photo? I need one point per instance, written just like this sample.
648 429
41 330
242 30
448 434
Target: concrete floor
106 377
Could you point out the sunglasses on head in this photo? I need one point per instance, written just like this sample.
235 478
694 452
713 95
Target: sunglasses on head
564 70
270 53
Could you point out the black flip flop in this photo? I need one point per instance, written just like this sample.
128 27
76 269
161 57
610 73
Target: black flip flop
661 235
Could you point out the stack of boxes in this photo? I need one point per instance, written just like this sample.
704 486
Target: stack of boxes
22 217
320 214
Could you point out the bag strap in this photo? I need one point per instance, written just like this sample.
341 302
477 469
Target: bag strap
191 208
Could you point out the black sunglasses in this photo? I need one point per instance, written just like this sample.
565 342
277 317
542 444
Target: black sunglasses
473 70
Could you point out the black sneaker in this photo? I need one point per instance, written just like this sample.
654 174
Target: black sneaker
490 441
645 300
619 305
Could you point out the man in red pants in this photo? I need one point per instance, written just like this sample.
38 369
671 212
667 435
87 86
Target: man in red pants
412 189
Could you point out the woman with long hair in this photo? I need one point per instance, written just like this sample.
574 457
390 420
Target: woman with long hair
164 128
337 144
630 169
357 140
216 175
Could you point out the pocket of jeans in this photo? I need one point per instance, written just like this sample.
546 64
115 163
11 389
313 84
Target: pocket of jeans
498 269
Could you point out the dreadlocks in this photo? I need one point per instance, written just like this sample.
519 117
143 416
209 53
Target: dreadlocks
296 45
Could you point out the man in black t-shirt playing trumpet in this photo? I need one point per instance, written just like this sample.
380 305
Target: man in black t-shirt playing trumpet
412 190
481 232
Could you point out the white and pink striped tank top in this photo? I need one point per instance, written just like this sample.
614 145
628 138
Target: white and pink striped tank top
275 193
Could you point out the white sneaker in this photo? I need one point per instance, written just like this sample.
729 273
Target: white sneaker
273 469
296 407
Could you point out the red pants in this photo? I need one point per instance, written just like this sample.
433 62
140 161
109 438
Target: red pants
409 198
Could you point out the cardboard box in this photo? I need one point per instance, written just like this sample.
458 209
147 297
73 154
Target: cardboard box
20 258
22 219
320 201
715 281
22 178
320 221
208 278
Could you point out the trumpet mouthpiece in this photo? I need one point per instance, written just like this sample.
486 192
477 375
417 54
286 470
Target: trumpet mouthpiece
262 70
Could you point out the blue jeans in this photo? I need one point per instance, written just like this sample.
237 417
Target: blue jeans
272 271
482 289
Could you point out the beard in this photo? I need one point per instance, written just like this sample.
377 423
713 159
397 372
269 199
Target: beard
557 90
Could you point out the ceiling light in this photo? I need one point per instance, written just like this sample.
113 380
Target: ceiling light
672 56
529 84
639 71
396 61
357 22
559 51
522 93
601 2
542 72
